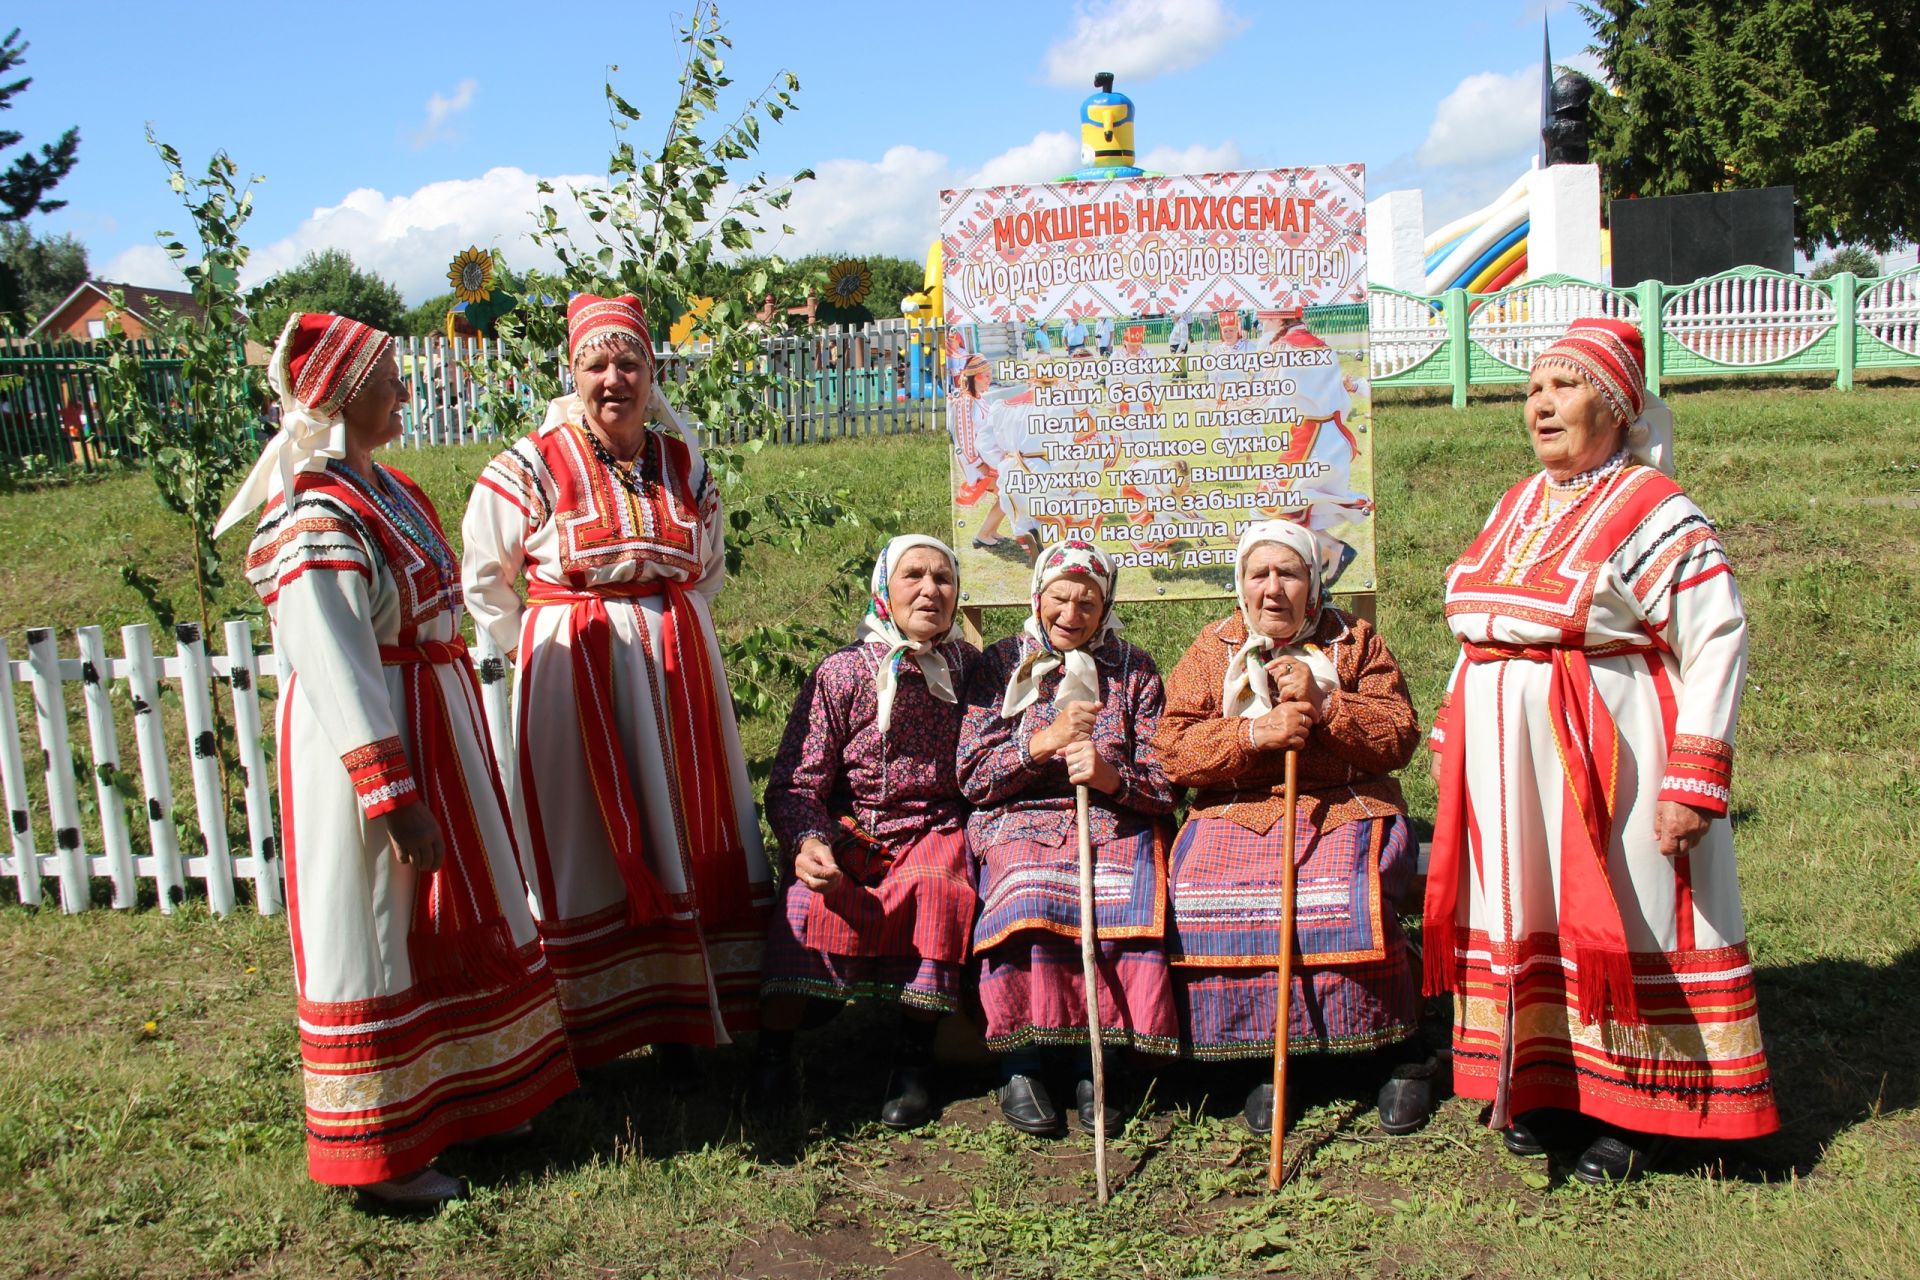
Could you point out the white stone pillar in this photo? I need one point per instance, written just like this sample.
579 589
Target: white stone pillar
1565 234
1396 238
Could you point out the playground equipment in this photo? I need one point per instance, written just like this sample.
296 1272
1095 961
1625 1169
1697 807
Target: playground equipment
1485 250
1546 222
1106 133
926 312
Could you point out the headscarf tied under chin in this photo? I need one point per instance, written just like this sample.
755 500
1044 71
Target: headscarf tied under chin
318 364
879 627
1081 681
1246 690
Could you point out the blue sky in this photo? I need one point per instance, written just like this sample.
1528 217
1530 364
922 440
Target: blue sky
403 132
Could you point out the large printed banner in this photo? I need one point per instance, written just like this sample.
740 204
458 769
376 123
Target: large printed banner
1153 363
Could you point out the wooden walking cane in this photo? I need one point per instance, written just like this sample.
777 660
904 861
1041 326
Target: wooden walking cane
1089 929
1283 998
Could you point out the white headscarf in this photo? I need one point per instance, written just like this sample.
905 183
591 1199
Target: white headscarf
1081 681
1650 436
1246 690
879 628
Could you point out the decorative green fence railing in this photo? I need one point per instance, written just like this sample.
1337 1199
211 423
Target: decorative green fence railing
1747 320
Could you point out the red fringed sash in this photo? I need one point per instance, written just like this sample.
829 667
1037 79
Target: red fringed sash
458 939
698 770
1588 744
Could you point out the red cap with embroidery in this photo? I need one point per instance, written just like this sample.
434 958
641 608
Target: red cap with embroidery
1611 355
593 321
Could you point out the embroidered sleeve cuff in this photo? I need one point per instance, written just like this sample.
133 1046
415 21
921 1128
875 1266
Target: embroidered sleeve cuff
380 776
1699 773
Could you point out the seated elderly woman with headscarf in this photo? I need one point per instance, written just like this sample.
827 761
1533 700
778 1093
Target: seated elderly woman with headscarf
1066 703
1286 673
879 892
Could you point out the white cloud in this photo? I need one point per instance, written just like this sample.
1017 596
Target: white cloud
861 206
1488 115
441 109
144 264
1198 158
409 239
1043 159
891 206
1140 39
854 206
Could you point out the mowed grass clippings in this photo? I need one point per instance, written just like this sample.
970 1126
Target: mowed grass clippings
149 1089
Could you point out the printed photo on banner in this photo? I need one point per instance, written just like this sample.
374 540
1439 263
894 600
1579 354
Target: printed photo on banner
1152 364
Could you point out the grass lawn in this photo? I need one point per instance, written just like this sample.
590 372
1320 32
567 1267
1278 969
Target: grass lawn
150 1116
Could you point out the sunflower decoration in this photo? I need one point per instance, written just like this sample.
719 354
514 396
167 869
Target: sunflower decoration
471 275
848 283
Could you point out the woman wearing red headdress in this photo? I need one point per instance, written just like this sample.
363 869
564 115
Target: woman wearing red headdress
1582 900
642 847
427 1012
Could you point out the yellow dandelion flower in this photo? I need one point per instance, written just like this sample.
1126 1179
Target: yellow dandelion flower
471 275
149 1026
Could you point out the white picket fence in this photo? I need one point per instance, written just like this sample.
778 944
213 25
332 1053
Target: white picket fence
121 857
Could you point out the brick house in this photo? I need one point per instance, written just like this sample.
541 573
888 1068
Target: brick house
82 315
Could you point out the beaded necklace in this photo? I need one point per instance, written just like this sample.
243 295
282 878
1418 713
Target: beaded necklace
1517 555
404 514
623 472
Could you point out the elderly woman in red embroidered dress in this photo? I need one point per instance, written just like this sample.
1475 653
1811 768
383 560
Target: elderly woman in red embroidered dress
1067 702
864 801
1287 672
1582 899
427 1012
637 818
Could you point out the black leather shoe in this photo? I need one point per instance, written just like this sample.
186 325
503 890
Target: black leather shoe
1521 1139
1406 1099
678 1065
1611 1158
1027 1106
770 1087
1083 1110
909 1102
1258 1113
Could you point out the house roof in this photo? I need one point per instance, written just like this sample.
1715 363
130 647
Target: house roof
140 300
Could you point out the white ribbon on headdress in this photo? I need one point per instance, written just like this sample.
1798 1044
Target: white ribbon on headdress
1650 436
1246 689
307 439
1080 680
879 628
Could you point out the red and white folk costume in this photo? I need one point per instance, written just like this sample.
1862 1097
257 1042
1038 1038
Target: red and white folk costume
427 1012
632 798
1603 648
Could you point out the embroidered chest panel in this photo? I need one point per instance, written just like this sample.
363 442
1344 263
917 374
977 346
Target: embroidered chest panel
409 539
601 521
1543 571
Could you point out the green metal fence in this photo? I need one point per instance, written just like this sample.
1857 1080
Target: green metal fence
51 402
1748 320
